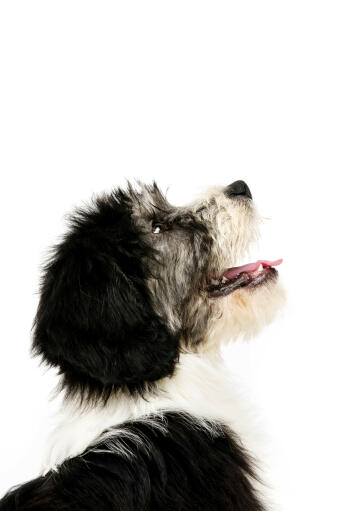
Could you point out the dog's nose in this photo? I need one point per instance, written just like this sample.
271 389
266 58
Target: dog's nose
238 189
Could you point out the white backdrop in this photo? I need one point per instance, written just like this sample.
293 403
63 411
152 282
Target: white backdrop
188 93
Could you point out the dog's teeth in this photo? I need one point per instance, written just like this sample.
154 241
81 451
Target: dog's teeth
260 268
224 279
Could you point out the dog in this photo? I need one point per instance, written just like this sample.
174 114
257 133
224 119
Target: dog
135 304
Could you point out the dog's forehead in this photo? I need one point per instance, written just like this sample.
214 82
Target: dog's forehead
149 200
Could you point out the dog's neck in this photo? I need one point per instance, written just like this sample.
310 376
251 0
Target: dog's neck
201 386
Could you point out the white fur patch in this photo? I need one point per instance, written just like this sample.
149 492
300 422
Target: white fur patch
200 386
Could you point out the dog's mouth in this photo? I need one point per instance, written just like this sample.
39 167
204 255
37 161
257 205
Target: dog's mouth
248 275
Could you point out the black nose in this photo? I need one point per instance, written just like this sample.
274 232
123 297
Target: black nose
238 189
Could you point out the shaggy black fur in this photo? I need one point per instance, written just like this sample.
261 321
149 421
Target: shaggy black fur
95 321
177 466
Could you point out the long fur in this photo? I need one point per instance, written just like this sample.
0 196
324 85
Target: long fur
150 420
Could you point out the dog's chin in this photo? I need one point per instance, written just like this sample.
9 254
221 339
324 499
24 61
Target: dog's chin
244 312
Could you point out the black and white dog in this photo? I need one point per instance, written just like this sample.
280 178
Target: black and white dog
135 303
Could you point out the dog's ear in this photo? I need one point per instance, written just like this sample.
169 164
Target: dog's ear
95 320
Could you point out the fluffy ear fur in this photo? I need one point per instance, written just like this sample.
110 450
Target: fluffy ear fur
95 321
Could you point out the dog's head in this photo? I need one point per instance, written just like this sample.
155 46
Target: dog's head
136 280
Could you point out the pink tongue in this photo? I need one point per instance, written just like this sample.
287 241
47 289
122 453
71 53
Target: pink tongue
233 272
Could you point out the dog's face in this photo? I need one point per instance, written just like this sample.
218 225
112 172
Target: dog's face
137 280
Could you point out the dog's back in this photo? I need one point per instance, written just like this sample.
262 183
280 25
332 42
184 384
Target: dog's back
170 462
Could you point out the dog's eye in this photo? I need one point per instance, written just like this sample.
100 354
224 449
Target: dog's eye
158 228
